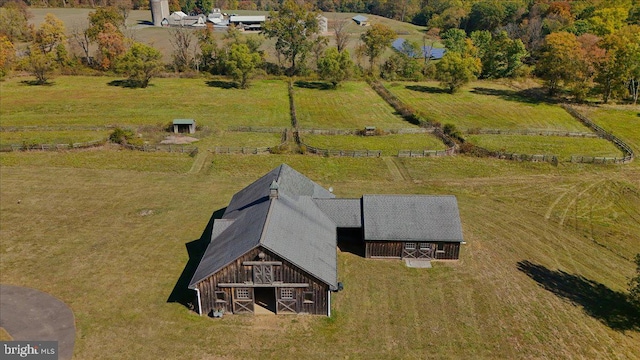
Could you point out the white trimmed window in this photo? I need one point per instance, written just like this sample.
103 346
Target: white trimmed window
424 246
242 293
286 293
410 246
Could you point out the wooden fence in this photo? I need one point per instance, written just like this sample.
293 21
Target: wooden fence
51 147
344 153
257 129
425 153
57 128
361 131
241 150
191 150
626 149
532 133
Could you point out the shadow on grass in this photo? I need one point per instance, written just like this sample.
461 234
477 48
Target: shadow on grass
613 308
317 85
36 83
196 249
129 84
528 96
427 89
222 84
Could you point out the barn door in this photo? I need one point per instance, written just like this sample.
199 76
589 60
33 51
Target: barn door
243 301
425 251
286 302
262 274
410 250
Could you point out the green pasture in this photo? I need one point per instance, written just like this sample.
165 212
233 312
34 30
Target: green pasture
563 147
353 105
541 275
621 121
51 137
388 144
239 139
484 105
81 100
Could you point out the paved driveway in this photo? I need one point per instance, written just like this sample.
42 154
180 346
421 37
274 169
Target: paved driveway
29 314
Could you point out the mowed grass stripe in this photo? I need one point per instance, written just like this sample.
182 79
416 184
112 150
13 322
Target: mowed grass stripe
353 105
51 137
388 144
563 147
92 101
484 105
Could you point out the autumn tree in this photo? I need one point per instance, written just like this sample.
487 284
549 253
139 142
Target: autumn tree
14 21
140 63
560 61
39 64
455 70
80 39
335 66
184 50
500 56
375 41
50 34
341 33
294 28
111 44
99 19
7 56
241 63
47 51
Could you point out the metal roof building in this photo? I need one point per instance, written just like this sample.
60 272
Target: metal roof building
275 245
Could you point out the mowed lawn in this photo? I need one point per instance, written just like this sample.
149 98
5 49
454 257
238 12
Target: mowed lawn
81 100
52 137
483 105
388 144
562 147
622 121
354 105
110 242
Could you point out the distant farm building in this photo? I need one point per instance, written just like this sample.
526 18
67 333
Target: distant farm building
184 126
275 246
323 24
179 18
361 20
247 22
159 11
427 51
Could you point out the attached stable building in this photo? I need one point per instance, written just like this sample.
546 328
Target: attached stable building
275 245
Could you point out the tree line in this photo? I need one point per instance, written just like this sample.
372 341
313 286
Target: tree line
579 48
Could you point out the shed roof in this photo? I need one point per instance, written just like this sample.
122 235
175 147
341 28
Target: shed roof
247 18
290 225
411 218
345 213
359 18
183 121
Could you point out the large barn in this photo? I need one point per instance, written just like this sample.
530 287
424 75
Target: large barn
275 246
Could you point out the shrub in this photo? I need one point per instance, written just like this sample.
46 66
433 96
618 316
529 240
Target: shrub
122 136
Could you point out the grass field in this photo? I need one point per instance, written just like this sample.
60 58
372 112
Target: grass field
388 144
207 101
543 274
562 147
484 105
51 137
622 121
531 283
353 105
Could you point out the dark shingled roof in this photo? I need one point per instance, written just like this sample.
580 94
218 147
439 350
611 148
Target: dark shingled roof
411 218
291 226
345 213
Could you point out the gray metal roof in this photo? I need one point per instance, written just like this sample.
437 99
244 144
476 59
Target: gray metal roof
345 213
291 226
359 18
411 217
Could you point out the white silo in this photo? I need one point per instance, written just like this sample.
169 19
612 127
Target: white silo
159 11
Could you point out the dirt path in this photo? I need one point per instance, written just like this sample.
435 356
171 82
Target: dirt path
397 170
201 162
31 315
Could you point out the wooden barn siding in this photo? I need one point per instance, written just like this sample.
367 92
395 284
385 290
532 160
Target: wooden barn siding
393 249
238 273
